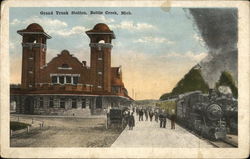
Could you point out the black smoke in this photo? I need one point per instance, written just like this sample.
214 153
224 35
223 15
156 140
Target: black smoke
219 30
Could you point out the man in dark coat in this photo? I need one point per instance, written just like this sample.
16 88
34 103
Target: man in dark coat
140 115
131 121
173 121
146 114
156 115
163 119
151 114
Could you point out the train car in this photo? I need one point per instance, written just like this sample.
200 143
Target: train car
209 115
199 114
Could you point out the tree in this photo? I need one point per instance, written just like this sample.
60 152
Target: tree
165 96
226 79
192 81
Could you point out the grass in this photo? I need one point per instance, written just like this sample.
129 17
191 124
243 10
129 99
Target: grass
18 125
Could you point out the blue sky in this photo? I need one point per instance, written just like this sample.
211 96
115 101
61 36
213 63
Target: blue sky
152 45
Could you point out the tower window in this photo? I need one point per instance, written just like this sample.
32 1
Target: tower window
101 42
32 40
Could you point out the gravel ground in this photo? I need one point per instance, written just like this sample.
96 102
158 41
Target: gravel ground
67 132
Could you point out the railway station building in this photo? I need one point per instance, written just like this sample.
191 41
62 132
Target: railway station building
66 85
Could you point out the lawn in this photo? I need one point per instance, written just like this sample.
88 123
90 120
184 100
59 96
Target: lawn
14 125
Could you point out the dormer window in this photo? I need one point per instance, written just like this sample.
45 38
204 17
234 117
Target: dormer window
65 67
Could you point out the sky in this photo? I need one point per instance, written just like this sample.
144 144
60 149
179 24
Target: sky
155 47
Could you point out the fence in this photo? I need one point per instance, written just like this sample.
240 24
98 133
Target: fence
35 124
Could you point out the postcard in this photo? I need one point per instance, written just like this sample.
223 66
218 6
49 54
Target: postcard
131 79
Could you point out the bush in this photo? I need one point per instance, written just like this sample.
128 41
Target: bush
17 125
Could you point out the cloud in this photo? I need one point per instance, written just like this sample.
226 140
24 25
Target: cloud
52 26
188 56
69 32
99 19
45 22
132 26
15 22
151 39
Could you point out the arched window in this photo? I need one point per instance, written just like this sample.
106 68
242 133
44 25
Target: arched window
101 42
32 40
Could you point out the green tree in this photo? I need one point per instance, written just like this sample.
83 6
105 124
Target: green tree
192 81
165 96
226 79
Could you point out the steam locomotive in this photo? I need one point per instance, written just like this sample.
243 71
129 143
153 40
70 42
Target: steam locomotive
209 115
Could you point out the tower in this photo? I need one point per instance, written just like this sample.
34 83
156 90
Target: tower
100 59
34 54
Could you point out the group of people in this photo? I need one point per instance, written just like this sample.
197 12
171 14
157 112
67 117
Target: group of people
130 119
159 114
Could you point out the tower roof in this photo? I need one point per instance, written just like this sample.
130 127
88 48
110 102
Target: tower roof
101 28
33 28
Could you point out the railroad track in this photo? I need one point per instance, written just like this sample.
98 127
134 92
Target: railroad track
222 144
218 144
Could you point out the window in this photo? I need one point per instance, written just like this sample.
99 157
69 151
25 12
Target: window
75 80
51 102
115 89
65 65
61 79
73 103
101 42
41 102
62 103
68 79
54 79
83 103
99 102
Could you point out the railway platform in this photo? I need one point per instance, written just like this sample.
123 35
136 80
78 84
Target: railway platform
149 134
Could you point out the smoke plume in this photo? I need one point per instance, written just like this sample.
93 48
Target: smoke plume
219 30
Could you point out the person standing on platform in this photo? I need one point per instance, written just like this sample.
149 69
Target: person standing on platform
131 121
146 114
173 118
140 115
156 115
163 119
151 114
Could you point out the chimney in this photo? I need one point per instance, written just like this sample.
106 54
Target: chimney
84 63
